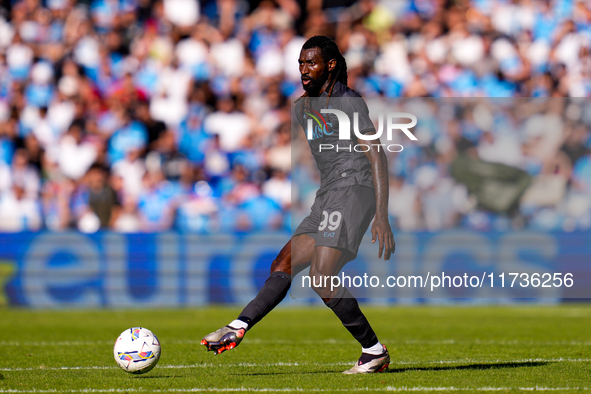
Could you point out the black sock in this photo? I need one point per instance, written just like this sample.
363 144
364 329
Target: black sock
272 293
345 306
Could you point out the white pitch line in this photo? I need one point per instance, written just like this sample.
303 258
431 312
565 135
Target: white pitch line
303 364
316 342
299 389
204 365
53 343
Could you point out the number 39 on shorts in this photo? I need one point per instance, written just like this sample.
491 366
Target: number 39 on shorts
331 220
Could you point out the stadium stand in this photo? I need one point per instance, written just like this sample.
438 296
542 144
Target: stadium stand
144 116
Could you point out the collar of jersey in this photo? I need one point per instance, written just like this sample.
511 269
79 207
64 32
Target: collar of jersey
336 90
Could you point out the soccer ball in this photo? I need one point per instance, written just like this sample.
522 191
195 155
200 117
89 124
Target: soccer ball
137 350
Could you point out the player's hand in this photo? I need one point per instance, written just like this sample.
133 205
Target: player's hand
381 231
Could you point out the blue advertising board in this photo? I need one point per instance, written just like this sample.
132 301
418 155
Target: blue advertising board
48 269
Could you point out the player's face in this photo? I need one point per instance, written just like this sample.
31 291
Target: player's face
313 70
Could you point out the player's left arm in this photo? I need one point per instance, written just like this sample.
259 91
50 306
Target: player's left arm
380 228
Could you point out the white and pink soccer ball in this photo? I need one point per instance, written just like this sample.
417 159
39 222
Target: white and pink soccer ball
137 350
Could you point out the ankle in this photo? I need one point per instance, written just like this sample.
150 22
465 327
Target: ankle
376 349
237 324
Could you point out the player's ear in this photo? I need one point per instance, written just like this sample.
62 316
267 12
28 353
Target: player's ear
332 64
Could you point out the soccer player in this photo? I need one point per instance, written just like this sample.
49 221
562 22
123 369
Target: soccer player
353 191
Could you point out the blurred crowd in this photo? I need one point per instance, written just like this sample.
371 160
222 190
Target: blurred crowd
149 115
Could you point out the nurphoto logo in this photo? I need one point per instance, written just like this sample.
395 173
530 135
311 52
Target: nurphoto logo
318 126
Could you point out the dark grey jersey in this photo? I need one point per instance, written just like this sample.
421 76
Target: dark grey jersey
345 164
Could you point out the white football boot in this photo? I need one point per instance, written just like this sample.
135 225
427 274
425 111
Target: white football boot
368 363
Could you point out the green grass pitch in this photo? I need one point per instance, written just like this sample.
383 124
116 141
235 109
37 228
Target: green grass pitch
488 348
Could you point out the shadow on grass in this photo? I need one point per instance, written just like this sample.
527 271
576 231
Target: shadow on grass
287 373
157 377
470 366
479 366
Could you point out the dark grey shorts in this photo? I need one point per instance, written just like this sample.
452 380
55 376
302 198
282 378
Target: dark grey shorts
340 217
